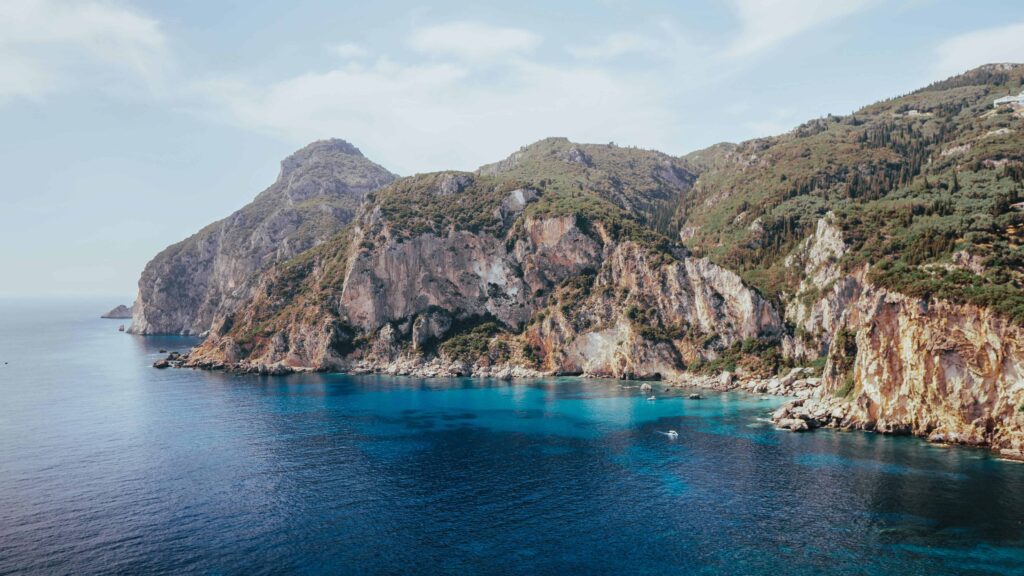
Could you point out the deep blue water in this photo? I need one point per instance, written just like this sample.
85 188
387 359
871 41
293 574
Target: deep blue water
110 466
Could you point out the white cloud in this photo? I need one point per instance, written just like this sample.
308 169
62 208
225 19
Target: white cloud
473 41
437 108
48 44
347 50
615 45
961 53
765 23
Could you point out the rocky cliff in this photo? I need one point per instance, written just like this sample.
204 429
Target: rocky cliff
933 368
947 371
542 263
317 192
892 240
872 263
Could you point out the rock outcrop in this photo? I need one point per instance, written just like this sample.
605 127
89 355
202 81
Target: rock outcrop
640 317
317 192
578 304
818 309
518 288
946 371
896 364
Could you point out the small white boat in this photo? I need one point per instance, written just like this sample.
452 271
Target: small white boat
651 398
671 434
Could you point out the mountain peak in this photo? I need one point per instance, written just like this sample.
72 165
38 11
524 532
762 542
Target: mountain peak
996 67
996 73
315 151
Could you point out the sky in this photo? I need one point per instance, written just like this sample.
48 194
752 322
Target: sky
126 126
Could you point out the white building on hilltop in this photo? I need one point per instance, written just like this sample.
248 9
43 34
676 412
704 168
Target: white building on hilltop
1010 100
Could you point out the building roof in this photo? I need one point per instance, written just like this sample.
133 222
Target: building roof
1009 99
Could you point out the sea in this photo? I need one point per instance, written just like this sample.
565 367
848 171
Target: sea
109 466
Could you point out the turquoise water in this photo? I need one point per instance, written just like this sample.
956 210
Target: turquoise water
110 466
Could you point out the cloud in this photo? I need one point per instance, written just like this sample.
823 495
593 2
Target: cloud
615 45
766 23
46 45
420 116
473 41
961 53
347 50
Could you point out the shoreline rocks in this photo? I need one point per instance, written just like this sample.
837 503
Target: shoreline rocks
173 360
796 382
809 409
807 414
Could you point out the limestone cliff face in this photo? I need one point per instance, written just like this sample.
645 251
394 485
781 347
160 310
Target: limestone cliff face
465 273
638 317
950 372
533 292
486 274
818 309
317 192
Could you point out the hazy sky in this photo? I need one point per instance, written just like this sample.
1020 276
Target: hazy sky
127 126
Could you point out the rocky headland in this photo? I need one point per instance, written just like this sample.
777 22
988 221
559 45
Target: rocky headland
869 265
317 192
119 312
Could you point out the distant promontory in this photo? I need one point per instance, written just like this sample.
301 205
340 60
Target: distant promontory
119 313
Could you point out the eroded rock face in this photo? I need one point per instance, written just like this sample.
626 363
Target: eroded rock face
318 191
825 293
554 249
402 294
932 368
605 335
429 328
466 273
945 371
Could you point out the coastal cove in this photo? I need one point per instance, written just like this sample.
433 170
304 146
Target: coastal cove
108 465
344 288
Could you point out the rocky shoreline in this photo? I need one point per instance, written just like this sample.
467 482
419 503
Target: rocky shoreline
808 410
797 382
812 412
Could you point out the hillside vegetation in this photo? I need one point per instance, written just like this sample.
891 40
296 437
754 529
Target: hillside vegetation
924 187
